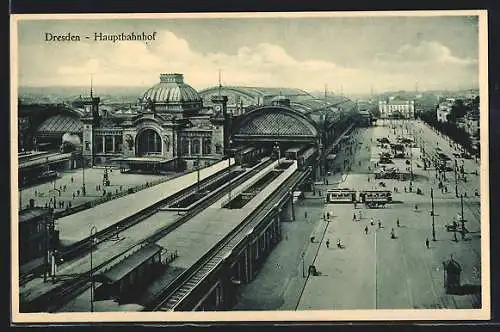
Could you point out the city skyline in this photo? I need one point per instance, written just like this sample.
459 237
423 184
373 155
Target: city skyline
366 53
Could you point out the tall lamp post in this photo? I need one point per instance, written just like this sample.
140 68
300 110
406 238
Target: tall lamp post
303 265
93 232
432 214
456 185
83 176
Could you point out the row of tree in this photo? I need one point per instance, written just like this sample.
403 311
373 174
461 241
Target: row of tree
450 129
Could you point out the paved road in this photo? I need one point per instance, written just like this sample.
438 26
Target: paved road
373 271
402 272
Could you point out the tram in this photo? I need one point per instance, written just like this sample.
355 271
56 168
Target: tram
334 196
375 198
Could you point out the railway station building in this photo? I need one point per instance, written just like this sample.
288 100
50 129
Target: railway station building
173 127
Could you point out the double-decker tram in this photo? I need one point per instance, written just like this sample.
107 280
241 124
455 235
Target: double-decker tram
334 196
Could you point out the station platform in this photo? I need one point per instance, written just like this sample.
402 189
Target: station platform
74 228
194 239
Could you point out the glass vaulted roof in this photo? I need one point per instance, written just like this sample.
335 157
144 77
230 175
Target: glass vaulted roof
60 124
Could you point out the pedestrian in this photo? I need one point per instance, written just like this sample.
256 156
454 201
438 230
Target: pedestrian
354 217
393 234
305 214
72 179
69 204
36 193
416 207
73 195
328 215
371 221
366 229
328 244
379 224
427 243
78 192
397 222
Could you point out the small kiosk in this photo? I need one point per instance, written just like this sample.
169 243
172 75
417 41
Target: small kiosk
452 270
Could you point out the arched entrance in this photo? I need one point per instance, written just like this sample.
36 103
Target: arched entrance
148 143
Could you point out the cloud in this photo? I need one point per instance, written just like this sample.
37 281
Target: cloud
133 63
426 53
137 63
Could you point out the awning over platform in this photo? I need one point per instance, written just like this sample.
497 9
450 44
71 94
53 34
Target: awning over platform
131 263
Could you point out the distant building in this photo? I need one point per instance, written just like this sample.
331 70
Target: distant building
35 225
395 108
444 109
471 123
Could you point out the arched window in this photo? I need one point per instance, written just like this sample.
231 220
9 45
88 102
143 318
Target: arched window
195 148
184 146
207 146
148 143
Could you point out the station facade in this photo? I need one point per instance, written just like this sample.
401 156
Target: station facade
174 127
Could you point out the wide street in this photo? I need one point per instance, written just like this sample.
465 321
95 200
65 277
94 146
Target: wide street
374 271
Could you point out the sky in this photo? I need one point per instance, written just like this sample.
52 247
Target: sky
347 54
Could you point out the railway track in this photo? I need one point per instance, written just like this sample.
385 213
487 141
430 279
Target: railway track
57 297
182 286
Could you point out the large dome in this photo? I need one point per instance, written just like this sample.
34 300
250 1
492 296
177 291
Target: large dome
172 94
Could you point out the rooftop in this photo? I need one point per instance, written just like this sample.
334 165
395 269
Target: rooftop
33 213
131 263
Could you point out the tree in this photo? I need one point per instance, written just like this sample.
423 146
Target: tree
458 110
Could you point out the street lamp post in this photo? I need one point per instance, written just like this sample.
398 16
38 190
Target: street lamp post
303 265
83 176
93 232
432 214
456 184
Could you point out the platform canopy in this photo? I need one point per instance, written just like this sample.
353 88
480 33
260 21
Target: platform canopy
123 268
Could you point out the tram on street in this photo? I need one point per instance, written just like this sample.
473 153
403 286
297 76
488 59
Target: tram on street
334 196
375 198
